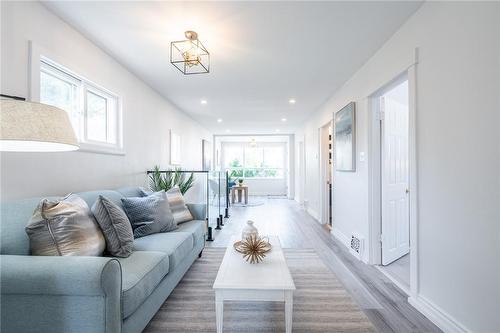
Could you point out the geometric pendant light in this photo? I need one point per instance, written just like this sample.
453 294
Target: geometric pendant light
190 56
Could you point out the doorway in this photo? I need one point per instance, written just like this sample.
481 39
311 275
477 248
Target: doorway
392 107
301 173
326 173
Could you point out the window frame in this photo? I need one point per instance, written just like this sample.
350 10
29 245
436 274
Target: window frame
244 167
39 59
67 78
110 99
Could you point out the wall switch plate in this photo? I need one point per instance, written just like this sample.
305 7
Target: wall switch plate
362 156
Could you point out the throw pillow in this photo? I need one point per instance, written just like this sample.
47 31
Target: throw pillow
115 226
64 227
150 214
177 206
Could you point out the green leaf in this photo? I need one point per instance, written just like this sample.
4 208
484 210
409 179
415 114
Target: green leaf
159 181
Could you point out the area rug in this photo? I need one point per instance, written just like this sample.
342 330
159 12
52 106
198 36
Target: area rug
321 304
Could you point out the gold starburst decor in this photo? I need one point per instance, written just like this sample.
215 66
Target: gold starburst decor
253 248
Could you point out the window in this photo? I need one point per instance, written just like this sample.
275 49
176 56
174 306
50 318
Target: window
93 111
264 160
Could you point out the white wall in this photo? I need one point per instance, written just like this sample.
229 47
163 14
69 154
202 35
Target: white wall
458 148
147 117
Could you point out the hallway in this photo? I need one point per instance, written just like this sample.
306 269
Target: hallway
383 302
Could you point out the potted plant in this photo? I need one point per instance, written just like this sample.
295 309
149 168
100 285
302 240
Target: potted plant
159 181
240 181
231 179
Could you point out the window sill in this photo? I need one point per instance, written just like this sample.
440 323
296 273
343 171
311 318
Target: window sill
86 148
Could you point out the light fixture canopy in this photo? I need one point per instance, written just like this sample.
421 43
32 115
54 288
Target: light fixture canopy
190 56
292 101
35 127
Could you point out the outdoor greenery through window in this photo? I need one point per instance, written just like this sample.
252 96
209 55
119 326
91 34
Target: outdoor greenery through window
262 160
93 111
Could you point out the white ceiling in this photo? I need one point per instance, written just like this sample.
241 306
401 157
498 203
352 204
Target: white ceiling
262 53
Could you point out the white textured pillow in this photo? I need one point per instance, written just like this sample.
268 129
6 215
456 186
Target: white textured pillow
177 206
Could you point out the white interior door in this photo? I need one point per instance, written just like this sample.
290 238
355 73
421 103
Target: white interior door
325 175
301 165
395 204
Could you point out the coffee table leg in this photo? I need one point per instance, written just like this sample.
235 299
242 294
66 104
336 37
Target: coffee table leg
219 311
288 310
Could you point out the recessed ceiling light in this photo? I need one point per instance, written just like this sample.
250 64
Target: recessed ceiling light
277 130
292 101
228 131
203 101
219 120
283 119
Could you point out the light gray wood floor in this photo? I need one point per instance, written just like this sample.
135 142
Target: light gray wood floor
382 301
400 270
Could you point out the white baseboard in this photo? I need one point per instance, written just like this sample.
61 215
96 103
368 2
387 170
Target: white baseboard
313 213
346 241
435 314
341 237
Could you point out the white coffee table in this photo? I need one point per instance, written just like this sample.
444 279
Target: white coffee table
269 280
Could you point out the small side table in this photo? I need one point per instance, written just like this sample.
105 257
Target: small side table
239 189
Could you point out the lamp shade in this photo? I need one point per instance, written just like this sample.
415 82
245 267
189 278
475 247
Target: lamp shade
35 127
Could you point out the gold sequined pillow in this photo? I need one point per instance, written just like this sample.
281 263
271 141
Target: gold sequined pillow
64 227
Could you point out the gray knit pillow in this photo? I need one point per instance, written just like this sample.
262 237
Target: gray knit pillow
115 226
178 206
150 214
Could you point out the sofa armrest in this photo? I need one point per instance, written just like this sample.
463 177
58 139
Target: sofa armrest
54 288
68 275
199 211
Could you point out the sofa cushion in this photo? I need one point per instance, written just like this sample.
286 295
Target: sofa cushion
195 227
90 197
177 245
14 216
141 274
131 191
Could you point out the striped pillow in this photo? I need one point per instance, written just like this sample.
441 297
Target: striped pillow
115 226
177 206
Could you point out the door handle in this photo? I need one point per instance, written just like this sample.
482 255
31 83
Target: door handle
407 191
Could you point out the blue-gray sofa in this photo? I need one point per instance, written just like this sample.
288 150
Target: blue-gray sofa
91 294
